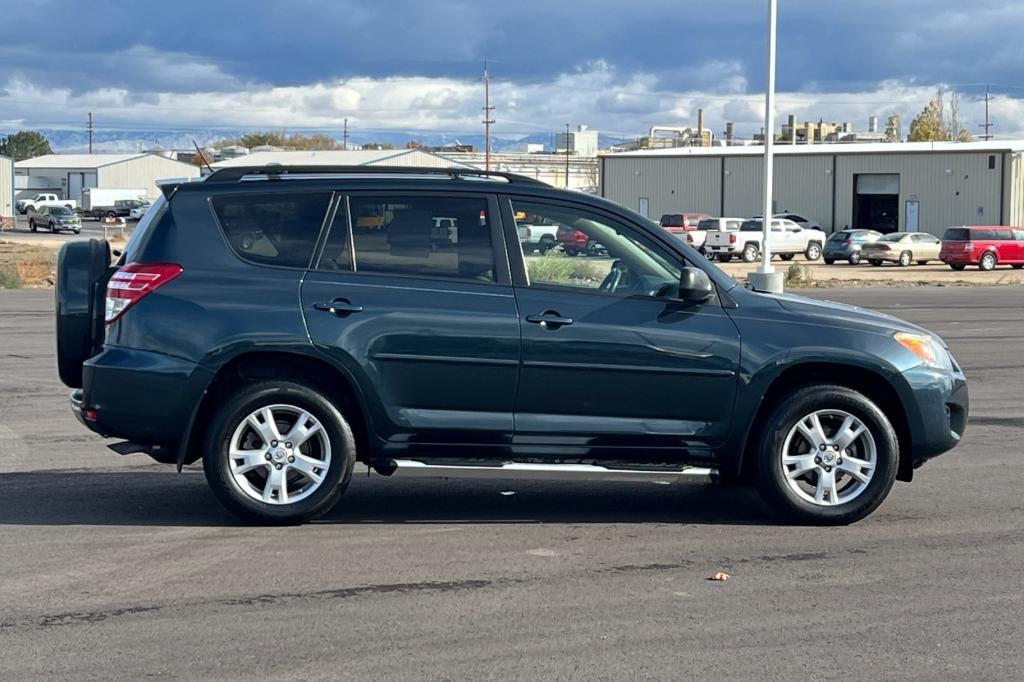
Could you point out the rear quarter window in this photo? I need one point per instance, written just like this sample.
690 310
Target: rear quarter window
273 229
957 234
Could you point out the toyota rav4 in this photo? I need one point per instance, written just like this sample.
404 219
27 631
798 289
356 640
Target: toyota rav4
250 324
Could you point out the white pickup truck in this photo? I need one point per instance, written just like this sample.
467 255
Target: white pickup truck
788 239
537 237
23 206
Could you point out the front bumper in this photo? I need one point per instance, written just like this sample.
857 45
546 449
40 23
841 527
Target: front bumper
938 405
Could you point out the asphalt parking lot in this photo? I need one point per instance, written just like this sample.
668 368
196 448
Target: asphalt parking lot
117 568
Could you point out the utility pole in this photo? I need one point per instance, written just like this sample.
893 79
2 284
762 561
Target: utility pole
987 126
344 136
765 278
487 119
567 156
88 127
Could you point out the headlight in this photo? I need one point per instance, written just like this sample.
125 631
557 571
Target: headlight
927 348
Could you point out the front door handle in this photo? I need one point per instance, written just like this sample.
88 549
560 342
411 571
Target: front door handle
549 319
341 307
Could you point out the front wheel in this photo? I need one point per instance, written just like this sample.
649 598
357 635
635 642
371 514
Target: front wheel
278 453
724 257
854 258
813 251
905 259
827 456
32 225
830 261
53 228
957 266
876 263
1017 266
787 256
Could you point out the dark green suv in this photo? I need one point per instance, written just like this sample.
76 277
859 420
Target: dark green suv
283 324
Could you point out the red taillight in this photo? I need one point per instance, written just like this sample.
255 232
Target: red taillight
847 242
968 247
689 238
732 239
132 282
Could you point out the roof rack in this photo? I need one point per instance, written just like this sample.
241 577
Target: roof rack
278 171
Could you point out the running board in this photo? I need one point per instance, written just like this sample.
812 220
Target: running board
552 472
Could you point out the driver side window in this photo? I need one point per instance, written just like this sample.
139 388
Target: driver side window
567 246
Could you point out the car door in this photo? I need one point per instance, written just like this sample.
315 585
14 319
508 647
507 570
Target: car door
1017 254
425 321
611 361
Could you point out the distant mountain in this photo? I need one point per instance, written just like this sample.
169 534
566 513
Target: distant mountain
132 140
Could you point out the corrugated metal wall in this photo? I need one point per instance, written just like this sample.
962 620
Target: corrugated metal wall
416 158
804 184
671 185
6 187
143 172
946 198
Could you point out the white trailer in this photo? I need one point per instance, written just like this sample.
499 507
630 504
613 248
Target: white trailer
97 198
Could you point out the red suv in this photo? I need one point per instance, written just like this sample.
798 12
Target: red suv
984 246
678 223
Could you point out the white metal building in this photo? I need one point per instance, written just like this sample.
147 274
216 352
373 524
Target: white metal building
68 174
6 189
888 186
351 157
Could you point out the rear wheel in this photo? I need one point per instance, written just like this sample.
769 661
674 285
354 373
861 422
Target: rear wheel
750 253
957 266
988 261
788 256
828 456
876 263
545 245
724 257
906 258
31 225
278 453
830 261
922 262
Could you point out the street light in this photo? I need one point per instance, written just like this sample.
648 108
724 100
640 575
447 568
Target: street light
765 278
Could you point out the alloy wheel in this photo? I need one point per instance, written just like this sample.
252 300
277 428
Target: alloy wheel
279 454
829 457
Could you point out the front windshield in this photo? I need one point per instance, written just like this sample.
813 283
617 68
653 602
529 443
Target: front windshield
61 211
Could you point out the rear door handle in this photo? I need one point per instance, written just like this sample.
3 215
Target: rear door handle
549 319
341 307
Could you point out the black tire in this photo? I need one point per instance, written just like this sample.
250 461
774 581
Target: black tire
53 227
750 253
571 252
246 400
31 225
772 482
111 214
957 266
906 257
830 261
724 257
708 255
1017 266
545 245
854 258
988 261
922 262
876 263
813 251
787 256
77 231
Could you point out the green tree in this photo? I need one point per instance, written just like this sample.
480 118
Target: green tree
928 125
259 138
25 144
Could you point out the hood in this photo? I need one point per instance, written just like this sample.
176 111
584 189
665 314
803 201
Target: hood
833 313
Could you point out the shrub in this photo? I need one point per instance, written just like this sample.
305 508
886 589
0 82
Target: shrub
798 276
9 278
555 266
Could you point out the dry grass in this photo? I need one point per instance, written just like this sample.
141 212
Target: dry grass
31 265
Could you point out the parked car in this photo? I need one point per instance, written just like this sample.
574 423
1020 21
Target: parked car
537 237
55 219
137 212
576 242
795 217
24 206
698 238
678 223
846 245
256 332
902 248
984 246
788 239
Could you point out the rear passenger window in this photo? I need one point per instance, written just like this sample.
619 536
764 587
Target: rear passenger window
416 236
273 229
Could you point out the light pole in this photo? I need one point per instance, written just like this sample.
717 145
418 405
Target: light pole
765 278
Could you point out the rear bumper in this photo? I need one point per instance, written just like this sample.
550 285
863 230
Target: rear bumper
958 258
730 248
140 396
838 254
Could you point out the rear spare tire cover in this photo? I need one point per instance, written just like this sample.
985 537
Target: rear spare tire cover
79 305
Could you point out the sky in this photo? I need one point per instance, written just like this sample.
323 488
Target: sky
402 65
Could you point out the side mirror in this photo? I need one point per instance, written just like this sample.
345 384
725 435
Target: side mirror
695 286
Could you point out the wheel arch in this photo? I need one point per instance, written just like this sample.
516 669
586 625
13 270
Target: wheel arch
873 384
251 366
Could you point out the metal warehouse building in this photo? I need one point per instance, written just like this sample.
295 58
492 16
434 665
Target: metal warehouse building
6 189
342 157
893 186
68 174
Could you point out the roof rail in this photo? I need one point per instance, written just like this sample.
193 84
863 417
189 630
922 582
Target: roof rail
278 171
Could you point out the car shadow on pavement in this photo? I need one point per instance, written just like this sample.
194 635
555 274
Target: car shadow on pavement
161 498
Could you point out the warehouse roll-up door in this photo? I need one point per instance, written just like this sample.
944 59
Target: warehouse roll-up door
876 201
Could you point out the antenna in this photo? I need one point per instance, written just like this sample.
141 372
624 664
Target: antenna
488 120
202 156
